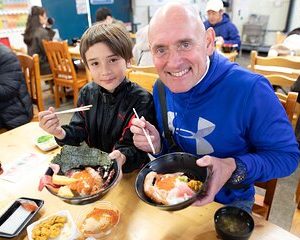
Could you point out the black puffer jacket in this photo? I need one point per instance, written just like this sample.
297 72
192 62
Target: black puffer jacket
106 125
15 102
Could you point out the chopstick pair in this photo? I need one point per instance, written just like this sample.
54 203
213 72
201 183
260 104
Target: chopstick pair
145 133
83 108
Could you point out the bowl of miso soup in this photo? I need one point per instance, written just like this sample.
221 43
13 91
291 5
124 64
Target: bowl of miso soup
233 223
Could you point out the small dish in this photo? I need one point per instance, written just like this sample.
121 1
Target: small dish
173 163
98 220
15 219
46 142
67 232
233 223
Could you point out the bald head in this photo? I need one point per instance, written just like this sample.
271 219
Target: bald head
176 12
179 45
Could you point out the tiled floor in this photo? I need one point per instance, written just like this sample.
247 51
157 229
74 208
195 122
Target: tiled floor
284 206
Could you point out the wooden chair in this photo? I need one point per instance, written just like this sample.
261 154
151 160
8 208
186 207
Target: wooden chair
263 203
31 69
63 70
280 80
284 65
146 69
289 103
145 80
285 83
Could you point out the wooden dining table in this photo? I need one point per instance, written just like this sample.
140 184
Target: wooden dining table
138 220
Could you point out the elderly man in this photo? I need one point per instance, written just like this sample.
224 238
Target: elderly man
225 30
217 110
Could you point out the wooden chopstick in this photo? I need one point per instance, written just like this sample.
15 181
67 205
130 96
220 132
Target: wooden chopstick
146 134
83 108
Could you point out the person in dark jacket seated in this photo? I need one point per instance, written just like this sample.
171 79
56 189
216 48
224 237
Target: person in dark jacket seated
226 31
36 31
106 49
15 102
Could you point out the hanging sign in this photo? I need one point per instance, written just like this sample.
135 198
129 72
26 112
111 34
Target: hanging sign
95 2
81 6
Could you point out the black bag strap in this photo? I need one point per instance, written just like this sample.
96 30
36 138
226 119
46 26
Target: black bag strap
163 107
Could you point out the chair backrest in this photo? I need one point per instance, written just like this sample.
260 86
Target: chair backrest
145 80
288 101
280 80
60 60
31 70
284 65
146 69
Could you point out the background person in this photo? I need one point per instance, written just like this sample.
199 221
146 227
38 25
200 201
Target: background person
104 15
217 110
226 31
15 102
35 32
289 46
106 49
141 51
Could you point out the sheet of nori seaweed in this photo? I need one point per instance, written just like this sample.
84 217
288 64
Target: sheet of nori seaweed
73 157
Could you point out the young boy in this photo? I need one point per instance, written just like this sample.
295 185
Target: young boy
106 49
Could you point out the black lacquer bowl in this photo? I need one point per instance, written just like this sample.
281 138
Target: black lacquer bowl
90 198
171 163
232 223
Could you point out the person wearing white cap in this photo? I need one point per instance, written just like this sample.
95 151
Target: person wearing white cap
226 31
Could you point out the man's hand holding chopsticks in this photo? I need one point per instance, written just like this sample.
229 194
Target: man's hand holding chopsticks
139 138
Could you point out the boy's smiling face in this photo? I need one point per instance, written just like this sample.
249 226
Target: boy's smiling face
107 69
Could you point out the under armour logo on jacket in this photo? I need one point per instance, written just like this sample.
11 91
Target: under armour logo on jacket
205 128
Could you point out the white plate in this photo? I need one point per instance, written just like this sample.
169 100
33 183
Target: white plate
46 145
68 232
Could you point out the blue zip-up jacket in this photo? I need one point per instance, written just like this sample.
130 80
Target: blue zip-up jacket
233 112
226 29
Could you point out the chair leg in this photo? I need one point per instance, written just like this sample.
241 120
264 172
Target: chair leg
56 95
297 197
75 92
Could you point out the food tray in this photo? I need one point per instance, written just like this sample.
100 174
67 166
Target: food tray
15 219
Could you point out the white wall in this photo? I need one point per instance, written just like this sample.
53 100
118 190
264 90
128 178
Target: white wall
241 9
295 18
144 9
276 10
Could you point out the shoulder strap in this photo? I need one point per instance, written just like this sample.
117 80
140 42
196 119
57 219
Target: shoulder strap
163 106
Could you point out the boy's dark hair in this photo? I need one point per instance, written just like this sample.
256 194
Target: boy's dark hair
112 35
102 14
